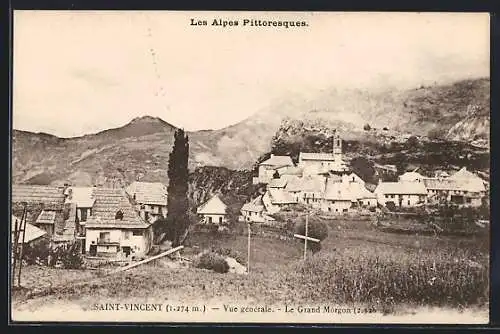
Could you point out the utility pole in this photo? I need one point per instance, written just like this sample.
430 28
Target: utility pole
248 249
23 230
306 235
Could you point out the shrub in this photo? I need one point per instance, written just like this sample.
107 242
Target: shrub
37 253
228 252
391 206
69 255
367 127
212 261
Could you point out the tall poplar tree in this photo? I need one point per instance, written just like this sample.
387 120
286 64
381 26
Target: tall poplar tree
177 191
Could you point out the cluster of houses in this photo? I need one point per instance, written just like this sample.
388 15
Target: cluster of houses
107 222
324 181
118 222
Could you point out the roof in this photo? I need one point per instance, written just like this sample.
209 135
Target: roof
46 217
153 193
339 191
317 156
446 184
278 160
277 183
291 170
37 194
402 188
255 205
108 201
31 232
83 197
468 181
315 184
213 206
294 183
411 176
280 196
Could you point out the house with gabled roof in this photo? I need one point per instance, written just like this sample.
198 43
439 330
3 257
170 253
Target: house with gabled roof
404 194
213 211
275 199
44 205
115 228
254 211
150 199
269 167
462 188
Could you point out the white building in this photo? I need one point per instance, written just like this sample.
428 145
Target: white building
255 212
404 194
115 228
318 163
462 188
275 199
213 211
150 199
268 168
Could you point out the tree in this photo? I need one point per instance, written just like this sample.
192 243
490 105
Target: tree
367 127
177 220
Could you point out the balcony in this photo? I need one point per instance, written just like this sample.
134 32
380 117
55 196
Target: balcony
107 242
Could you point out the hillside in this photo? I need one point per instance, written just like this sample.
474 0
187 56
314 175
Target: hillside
140 149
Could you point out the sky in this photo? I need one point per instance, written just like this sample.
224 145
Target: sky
81 72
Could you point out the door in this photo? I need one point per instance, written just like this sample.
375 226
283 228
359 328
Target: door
126 250
93 250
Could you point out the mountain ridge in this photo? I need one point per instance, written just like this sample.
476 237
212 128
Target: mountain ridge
140 148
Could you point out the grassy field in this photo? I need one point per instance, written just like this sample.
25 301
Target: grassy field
358 264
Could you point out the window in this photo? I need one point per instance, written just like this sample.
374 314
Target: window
220 219
345 210
210 220
119 215
338 142
83 217
104 236
137 232
408 202
353 179
126 235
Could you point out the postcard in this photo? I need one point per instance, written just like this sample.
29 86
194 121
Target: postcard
250 167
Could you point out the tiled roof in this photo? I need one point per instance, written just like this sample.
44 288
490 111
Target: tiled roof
255 205
83 197
280 196
447 184
37 194
294 183
278 160
402 188
31 232
154 193
108 201
278 183
46 217
468 181
213 206
317 156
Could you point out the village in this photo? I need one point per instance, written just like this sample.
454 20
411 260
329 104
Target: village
119 222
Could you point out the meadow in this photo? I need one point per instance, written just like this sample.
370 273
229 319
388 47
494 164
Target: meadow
357 265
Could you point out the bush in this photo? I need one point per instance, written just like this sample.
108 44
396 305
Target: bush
391 206
37 253
367 127
228 252
69 255
212 261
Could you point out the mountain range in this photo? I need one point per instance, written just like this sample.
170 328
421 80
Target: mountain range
140 149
